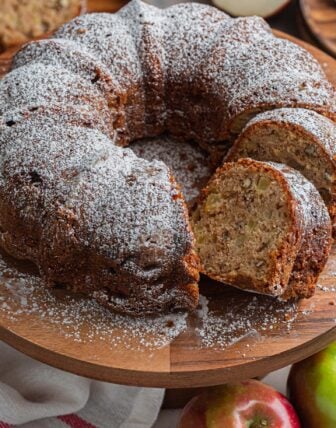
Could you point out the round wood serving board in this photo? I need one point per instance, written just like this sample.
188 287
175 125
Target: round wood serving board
320 17
234 336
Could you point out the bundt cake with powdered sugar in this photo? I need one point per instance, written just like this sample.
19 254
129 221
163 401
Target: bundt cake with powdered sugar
93 216
169 72
302 139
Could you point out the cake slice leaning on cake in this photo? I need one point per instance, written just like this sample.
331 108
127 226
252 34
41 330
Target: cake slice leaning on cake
262 227
302 139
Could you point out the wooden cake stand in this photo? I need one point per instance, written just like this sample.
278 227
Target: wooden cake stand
234 335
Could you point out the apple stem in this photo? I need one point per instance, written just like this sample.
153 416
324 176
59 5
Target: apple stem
259 423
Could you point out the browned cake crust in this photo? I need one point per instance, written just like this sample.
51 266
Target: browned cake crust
315 230
94 217
67 207
302 139
301 253
78 61
198 84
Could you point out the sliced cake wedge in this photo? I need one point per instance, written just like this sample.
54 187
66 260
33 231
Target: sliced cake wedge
300 138
262 227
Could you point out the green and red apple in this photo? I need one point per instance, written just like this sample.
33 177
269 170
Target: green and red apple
312 389
248 404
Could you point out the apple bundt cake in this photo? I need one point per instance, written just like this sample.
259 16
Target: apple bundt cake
279 215
300 138
96 218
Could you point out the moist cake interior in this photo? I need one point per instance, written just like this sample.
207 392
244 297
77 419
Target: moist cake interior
242 221
271 143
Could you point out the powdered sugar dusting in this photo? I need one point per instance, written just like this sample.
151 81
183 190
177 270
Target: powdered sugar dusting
261 71
69 56
38 84
107 219
79 318
92 214
320 127
327 289
190 165
56 114
240 316
239 64
109 38
84 320
256 316
313 213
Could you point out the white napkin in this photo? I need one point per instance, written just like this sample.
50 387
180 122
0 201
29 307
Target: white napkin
39 396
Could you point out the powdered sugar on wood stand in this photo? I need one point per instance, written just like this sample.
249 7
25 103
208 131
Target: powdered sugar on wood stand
25 294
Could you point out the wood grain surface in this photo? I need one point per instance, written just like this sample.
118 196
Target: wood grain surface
105 5
187 361
320 16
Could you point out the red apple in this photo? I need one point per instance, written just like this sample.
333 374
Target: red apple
264 8
312 387
248 404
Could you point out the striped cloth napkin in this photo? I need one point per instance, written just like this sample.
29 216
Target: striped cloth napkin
34 395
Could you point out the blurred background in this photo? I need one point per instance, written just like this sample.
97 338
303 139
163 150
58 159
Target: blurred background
311 20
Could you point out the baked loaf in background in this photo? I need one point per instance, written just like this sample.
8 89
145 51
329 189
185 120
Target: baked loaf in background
91 215
299 138
262 227
21 20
